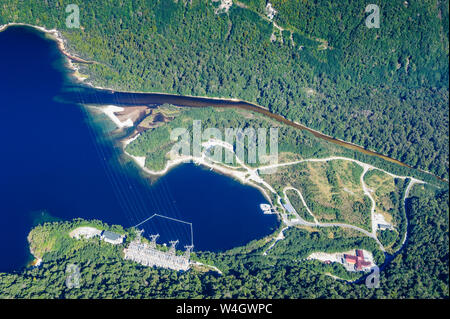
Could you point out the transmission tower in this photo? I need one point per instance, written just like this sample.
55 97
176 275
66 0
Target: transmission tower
172 243
187 253
139 234
153 239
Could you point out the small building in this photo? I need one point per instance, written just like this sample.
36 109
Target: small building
112 238
384 226
350 259
358 260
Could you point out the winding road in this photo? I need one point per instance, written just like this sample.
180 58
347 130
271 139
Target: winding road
366 167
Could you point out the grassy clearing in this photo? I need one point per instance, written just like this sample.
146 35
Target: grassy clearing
383 188
286 157
296 202
332 190
388 194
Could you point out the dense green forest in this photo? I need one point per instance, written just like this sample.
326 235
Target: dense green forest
293 143
385 89
420 270
156 143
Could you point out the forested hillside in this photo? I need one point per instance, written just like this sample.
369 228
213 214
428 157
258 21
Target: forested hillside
419 271
385 89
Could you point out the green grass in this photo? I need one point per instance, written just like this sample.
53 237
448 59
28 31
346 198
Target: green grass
332 190
296 202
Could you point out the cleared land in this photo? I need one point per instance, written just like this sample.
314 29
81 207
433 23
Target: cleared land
325 185
387 192
332 190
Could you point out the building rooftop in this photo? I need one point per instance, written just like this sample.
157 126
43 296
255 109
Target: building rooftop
357 260
350 259
110 235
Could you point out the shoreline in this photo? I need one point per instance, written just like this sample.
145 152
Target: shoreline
172 163
37 261
57 36
110 110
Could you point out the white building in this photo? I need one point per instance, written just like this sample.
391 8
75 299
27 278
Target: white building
112 238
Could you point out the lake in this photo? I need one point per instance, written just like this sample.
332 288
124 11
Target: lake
59 162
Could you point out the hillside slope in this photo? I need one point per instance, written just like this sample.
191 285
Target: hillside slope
385 89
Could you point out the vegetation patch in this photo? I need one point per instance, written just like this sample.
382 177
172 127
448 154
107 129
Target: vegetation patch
296 202
332 190
388 193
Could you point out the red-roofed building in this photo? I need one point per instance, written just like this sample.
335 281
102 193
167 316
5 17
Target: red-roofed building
357 260
350 259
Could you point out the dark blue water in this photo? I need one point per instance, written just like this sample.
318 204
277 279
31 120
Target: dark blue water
56 158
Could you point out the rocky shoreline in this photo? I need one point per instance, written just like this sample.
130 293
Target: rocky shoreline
61 42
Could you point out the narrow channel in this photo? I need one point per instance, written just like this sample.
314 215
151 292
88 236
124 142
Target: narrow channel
87 95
